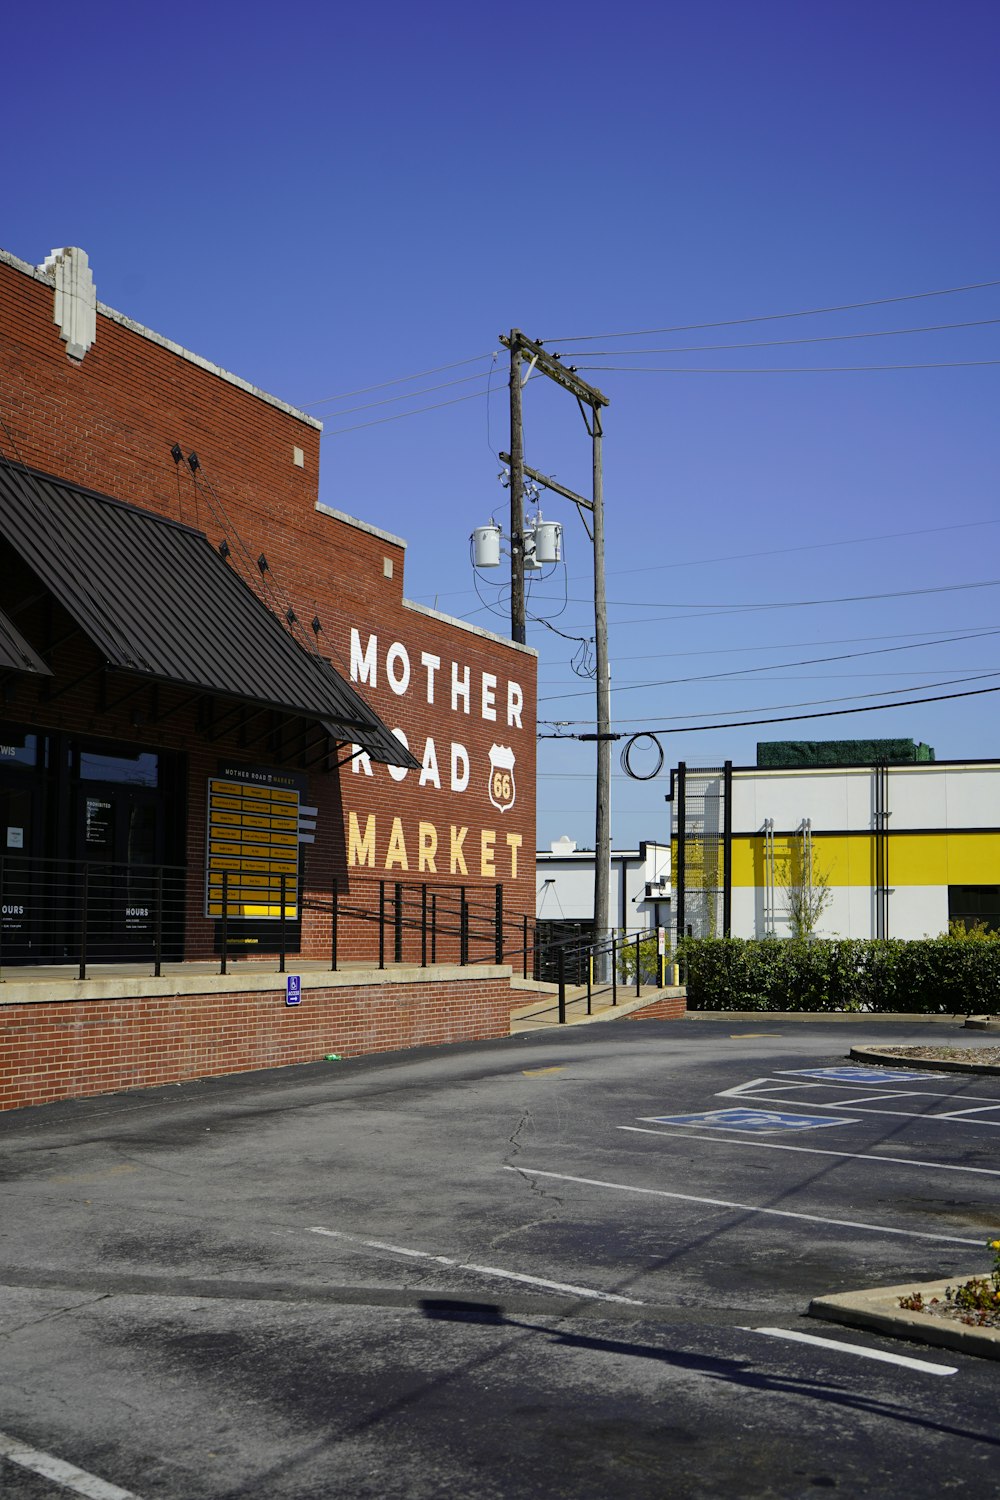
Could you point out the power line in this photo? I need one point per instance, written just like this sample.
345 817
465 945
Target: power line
412 395
633 687
707 614
808 703
679 328
700 562
808 312
827 338
884 536
947 364
676 328
382 385
416 411
378 421
832 713
847 640
736 609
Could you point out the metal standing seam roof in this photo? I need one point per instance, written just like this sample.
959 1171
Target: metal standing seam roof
156 598
16 654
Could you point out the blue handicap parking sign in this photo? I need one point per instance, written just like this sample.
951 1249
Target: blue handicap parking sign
853 1073
759 1120
293 989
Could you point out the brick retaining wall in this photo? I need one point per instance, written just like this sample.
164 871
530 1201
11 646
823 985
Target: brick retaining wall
72 1049
669 1008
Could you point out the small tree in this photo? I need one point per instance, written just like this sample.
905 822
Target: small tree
807 894
806 905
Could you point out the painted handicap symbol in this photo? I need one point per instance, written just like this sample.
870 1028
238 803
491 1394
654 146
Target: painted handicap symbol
762 1121
862 1074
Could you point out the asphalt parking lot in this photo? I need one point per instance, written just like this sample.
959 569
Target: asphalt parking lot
572 1263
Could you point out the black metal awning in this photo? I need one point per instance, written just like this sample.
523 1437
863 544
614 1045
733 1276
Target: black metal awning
155 598
16 654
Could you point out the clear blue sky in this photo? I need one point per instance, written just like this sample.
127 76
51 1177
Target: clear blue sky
324 198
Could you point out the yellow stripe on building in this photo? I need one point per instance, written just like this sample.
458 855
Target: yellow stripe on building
849 860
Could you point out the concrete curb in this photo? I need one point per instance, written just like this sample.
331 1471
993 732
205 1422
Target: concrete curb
879 1310
932 1065
243 978
838 1017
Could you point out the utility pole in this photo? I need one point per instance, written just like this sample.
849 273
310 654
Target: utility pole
517 618
602 833
587 396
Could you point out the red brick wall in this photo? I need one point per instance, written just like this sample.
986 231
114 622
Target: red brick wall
109 421
75 1049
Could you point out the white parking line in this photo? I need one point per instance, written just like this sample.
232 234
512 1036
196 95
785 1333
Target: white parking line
923 1365
732 1139
861 1105
749 1208
786 1082
60 1472
463 1265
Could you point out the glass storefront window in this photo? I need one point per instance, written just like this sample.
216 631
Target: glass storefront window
17 748
139 769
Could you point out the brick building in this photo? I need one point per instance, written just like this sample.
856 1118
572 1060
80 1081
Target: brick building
211 681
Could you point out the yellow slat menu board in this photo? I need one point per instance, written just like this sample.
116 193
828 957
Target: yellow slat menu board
253 836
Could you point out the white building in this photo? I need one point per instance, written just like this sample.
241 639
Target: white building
870 850
640 894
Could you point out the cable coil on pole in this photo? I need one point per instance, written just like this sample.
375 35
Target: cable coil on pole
626 757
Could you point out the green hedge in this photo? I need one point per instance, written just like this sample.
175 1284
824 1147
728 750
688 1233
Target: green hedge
931 975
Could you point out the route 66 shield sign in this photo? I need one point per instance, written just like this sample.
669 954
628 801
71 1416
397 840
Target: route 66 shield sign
502 788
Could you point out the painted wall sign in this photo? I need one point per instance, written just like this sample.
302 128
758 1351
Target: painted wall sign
447 764
501 780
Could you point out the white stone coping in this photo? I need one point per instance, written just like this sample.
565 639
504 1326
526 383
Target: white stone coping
486 635
157 338
240 982
341 515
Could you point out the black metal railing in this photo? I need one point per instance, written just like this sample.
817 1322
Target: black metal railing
60 911
423 924
625 961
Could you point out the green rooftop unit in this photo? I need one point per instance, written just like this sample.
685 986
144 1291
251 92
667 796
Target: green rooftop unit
784 755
